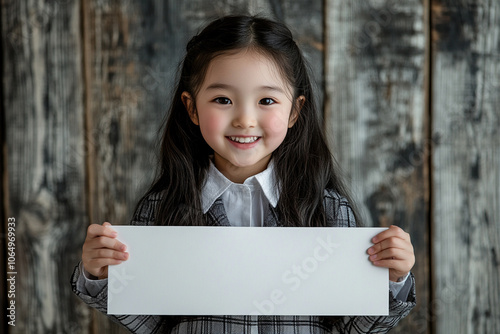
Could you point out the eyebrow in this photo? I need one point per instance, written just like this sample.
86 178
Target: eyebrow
218 85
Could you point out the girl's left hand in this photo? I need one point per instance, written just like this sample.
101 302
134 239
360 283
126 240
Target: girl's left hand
393 249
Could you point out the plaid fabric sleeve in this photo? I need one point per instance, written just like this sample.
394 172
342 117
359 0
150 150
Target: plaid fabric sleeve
382 324
338 210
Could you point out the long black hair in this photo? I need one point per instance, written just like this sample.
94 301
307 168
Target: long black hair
304 166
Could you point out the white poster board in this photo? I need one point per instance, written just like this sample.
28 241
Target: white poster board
247 271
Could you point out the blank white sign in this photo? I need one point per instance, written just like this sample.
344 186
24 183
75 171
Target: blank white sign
247 271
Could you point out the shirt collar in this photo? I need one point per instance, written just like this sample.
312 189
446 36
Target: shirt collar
216 184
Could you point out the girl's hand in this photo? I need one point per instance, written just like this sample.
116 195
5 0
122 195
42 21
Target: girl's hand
393 249
102 249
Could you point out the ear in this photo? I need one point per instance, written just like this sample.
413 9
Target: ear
188 102
299 103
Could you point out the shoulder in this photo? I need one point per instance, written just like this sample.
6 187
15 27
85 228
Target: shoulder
338 211
145 210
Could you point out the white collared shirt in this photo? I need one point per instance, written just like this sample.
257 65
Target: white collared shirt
246 203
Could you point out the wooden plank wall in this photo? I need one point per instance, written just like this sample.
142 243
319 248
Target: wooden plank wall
376 119
409 91
42 100
466 165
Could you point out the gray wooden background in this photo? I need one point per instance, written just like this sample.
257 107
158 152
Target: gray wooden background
410 91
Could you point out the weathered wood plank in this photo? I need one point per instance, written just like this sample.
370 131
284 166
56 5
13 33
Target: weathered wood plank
3 222
42 101
466 119
122 110
376 120
3 210
133 49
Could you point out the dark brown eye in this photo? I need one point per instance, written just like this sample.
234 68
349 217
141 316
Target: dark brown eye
267 101
222 100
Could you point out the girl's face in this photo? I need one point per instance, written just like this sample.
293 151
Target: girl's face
244 109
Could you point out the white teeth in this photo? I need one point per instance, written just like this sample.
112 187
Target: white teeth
244 140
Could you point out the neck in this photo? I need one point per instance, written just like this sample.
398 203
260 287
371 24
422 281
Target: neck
238 174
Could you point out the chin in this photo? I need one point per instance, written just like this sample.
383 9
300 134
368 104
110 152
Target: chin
236 164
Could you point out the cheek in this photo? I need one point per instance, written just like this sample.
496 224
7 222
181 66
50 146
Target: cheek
275 130
276 126
211 126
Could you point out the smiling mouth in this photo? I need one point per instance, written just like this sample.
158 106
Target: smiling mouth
243 140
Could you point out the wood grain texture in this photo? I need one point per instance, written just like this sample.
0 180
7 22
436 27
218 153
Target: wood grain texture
3 202
42 92
126 98
466 122
376 120
3 222
133 49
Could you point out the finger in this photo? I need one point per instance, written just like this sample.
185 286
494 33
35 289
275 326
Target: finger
392 231
107 253
104 262
96 230
400 262
397 268
388 263
99 255
104 242
391 254
393 242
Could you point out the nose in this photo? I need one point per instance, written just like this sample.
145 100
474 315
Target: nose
244 117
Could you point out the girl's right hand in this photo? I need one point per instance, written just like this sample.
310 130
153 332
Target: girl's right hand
102 249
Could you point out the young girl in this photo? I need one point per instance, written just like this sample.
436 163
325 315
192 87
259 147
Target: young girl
243 145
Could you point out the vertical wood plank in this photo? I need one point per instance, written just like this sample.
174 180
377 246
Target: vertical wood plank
376 120
42 101
3 212
3 202
126 97
466 119
132 50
